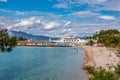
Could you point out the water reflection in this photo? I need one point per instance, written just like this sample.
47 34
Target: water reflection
6 49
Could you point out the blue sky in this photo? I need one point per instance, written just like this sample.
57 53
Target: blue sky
59 18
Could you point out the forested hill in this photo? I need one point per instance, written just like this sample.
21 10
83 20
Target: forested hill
34 37
110 38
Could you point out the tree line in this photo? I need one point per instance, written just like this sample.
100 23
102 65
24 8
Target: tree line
7 42
109 38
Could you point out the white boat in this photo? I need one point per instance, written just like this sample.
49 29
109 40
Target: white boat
71 41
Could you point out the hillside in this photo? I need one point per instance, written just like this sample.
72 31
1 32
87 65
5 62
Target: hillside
33 37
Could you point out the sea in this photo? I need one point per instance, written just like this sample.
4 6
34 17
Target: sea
43 63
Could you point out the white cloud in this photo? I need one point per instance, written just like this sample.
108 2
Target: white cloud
61 5
67 23
92 1
51 25
102 1
107 17
24 24
84 14
67 30
28 22
3 0
70 3
112 5
20 13
92 4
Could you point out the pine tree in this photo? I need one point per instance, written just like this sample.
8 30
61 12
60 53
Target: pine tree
7 42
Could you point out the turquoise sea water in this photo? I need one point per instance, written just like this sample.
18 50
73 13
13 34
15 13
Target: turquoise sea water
37 63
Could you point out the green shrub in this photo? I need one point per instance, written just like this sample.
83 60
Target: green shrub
7 42
110 38
90 69
117 70
101 74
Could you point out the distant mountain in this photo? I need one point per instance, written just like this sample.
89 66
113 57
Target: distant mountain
33 37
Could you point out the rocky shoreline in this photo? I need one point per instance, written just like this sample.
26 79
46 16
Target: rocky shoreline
100 57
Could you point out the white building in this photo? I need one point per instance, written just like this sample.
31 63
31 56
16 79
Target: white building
71 41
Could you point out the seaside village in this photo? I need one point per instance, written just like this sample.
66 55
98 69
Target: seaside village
69 41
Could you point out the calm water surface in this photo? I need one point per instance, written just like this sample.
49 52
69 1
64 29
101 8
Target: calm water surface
37 63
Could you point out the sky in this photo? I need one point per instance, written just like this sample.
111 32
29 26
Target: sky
59 18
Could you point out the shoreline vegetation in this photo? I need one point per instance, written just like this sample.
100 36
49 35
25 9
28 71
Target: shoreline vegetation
101 63
102 60
7 42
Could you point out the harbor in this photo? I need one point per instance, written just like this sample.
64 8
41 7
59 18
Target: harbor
64 42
